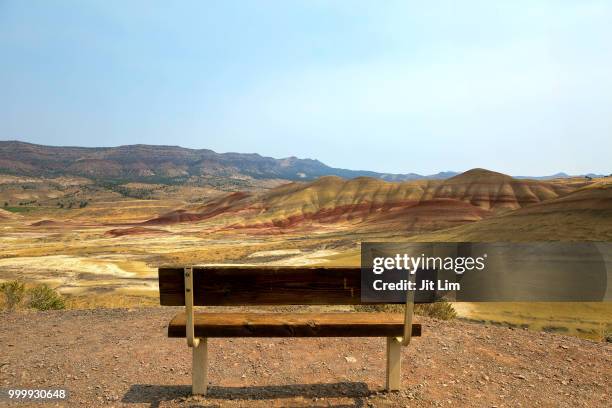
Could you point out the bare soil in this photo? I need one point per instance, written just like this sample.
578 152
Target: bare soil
121 357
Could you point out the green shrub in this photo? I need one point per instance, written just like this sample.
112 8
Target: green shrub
438 310
604 333
386 308
12 292
42 297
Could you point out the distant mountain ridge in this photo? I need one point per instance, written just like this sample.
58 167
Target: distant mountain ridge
174 164
562 175
168 164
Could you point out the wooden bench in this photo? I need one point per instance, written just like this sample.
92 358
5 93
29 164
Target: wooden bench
250 286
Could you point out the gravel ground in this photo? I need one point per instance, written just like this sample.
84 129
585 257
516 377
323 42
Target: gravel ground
119 357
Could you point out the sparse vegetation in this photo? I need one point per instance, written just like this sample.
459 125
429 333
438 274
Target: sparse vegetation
141 194
42 297
18 209
387 308
24 203
12 294
15 294
605 333
438 310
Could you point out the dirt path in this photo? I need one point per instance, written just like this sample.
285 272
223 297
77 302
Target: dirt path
123 358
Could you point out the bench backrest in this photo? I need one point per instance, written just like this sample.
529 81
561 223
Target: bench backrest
256 285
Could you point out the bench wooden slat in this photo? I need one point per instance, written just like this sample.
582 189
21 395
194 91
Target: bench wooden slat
236 286
293 325
233 286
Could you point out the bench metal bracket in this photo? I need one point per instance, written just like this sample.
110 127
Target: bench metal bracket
199 346
192 341
394 344
408 314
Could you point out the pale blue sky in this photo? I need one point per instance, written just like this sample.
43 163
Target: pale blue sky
522 87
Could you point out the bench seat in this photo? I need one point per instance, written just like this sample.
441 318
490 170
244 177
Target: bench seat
349 324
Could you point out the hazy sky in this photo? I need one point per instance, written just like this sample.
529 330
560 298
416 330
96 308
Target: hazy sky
519 87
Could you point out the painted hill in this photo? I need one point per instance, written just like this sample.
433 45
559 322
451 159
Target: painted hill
7 215
594 197
417 206
582 215
168 164
492 190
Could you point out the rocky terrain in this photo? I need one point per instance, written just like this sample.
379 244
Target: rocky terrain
122 357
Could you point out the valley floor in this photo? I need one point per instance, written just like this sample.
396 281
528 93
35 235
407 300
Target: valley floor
121 357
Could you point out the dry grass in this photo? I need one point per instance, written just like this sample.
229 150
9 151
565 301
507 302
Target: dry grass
604 334
438 310
12 294
592 320
110 300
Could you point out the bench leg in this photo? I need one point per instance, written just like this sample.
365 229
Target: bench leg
199 370
394 363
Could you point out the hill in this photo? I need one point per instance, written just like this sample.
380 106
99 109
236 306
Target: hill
167 164
582 215
368 203
492 190
7 215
